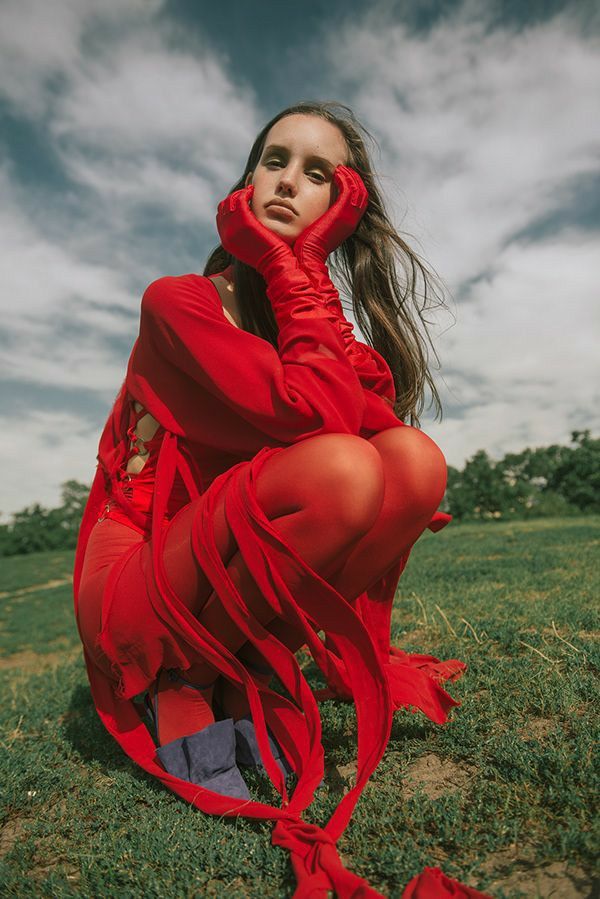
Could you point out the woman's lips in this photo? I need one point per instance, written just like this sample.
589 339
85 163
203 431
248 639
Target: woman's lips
279 210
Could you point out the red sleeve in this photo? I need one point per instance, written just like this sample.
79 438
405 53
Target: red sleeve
372 370
306 387
374 374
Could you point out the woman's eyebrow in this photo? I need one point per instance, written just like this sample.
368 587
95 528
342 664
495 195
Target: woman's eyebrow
314 158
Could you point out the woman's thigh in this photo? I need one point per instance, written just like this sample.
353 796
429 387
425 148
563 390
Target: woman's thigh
332 484
107 543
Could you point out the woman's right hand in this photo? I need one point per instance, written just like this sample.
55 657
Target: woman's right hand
245 237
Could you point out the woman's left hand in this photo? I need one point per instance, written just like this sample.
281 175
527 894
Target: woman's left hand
332 228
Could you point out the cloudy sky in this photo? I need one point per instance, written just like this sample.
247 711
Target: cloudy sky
124 123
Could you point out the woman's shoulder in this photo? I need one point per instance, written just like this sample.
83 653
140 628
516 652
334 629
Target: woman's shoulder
170 292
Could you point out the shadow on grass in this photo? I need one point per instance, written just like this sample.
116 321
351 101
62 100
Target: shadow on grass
86 734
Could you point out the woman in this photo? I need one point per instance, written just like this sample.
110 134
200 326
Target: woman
257 485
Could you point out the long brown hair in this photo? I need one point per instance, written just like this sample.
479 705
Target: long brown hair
389 311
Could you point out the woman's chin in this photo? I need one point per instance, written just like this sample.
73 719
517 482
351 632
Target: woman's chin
286 236
286 233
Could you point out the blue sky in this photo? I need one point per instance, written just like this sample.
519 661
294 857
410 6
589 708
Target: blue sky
124 123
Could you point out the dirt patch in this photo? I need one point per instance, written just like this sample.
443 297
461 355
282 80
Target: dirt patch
29 661
533 595
436 776
215 889
341 778
581 709
49 855
513 869
567 575
536 729
589 635
418 637
46 861
11 833
48 585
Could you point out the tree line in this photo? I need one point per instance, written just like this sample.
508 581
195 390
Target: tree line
552 480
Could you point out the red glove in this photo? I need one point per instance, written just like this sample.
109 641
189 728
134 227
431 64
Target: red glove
246 238
326 234
312 248
308 331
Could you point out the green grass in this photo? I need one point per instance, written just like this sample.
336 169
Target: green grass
501 797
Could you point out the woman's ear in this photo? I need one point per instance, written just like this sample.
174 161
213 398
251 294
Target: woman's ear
248 179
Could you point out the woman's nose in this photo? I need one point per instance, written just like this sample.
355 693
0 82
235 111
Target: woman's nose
288 182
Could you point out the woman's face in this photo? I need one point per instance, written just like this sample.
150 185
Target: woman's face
296 167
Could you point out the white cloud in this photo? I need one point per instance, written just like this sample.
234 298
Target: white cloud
39 451
482 133
136 110
523 357
59 312
479 129
146 121
142 117
40 44
142 96
126 184
37 42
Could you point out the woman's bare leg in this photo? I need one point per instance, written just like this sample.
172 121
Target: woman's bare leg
415 480
322 495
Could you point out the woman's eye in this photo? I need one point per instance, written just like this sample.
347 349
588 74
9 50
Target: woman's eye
278 162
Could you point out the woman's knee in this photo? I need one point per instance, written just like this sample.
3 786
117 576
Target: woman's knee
353 479
339 474
415 462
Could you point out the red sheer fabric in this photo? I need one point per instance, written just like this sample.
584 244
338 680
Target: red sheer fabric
131 503
223 394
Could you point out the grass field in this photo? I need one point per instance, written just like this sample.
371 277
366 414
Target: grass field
501 797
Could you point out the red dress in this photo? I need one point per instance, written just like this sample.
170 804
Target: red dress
226 400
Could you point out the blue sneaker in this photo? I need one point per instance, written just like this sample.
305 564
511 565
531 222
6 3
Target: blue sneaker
208 759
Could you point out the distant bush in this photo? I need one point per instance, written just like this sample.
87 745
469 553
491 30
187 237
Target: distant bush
36 528
552 480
